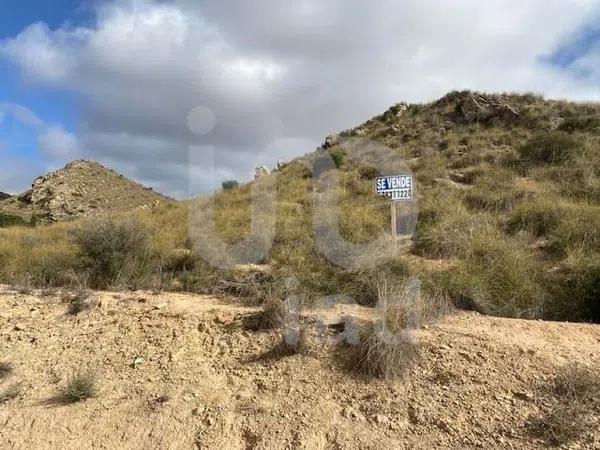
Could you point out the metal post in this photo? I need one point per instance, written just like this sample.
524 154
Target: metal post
394 230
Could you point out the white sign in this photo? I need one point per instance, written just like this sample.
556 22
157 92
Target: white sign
396 187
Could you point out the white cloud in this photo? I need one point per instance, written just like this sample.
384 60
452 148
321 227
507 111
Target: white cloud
57 142
22 114
270 69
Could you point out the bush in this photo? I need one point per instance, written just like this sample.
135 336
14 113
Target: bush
229 184
446 228
538 217
494 191
578 296
578 229
80 387
338 158
113 252
500 277
585 123
552 147
492 200
180 260
7 220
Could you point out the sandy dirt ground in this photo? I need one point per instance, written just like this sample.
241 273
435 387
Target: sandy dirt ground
181 372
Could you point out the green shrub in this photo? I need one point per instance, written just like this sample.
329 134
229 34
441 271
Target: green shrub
113 252
445 227
338 158
500 277
578 229
492 200
552 147
229 184
362 285
578 123
577 297
494 191
8 220
539 217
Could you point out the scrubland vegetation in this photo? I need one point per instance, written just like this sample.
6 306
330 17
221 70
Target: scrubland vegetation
567 405
509 220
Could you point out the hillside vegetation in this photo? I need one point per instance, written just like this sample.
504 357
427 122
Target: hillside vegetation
508 223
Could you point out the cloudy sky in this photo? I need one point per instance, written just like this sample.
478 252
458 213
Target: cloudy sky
151 87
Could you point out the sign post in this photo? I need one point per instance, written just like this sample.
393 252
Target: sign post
397 188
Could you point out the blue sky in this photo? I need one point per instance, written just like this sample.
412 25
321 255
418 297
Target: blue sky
18 140
115 81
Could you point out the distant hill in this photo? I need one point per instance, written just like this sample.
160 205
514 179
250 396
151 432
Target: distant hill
4 196
81 188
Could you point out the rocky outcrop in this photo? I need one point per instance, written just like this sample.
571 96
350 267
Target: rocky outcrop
81 188
471 107
261 171
484 109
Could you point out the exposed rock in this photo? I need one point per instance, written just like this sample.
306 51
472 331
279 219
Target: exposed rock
485 109
395 111
261 172
331 141
81 188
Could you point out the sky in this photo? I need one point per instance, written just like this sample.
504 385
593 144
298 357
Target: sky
184 94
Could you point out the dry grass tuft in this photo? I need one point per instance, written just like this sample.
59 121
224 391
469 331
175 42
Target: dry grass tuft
385 348
271 316
6 369
11 392
80 387
294 341
378 355
80 302
568 405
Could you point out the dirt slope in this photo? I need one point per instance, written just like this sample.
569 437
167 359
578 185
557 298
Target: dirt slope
202 381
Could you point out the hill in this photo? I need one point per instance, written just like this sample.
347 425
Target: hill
81 188
4 196
182 371
508 218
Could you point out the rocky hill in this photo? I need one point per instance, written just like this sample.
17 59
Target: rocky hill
81 188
